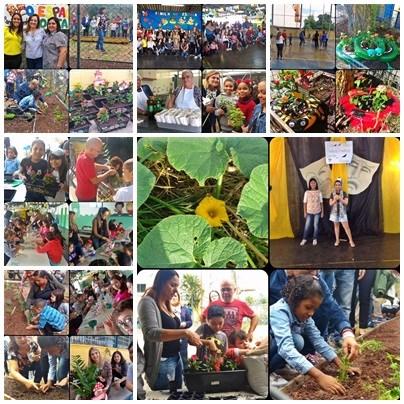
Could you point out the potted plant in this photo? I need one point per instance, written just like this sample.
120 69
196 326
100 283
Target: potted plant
47 186
84 378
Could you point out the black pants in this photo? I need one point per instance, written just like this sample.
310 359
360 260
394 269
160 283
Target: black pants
12 62
49 330
365 289
74 324
279 47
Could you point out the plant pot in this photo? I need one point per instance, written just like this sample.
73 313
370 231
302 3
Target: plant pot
215 382
112 124
83 127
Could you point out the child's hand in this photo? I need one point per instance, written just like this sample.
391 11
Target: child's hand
112 172
30 327
244 129
330 384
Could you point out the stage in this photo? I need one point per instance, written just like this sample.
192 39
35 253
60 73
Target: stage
381 251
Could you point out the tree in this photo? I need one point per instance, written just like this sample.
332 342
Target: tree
193 290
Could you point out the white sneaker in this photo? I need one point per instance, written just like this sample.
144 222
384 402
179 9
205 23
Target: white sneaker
277 381
314 242
303 242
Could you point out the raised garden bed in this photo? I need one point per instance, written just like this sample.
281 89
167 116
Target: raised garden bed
376 367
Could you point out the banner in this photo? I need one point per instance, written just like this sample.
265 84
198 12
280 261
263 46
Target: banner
45 11
169 20
338 152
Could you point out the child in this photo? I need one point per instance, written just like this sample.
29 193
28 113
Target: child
258 121
125 194
222 103
339 202
291 321
57 302
74 256
88 249
30 102
10 83
10 247
34 167
116 180
53 248
87 171
58 168
112 228
44 229
11 163
245 101
50 320
124 257
118 283
313 209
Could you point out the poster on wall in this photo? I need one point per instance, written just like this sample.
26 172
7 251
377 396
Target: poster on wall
151 19
44 11
338 152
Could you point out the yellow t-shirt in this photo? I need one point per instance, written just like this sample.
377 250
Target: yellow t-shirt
12 43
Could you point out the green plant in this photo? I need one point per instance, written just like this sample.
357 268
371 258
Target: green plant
9 116
58 115
371 345
193 291
343 370
84 377
78 119
103 115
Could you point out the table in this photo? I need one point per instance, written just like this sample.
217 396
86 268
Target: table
19 187
147 125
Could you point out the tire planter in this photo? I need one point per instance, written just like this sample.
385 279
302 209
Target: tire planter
368 120
215 382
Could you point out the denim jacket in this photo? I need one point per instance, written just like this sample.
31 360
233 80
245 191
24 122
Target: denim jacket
283 324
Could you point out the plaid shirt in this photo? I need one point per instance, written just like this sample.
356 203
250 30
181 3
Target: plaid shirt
51 316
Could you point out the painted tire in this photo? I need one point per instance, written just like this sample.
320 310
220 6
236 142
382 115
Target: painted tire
362 53
393 54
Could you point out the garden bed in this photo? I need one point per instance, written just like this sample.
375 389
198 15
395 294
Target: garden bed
375 366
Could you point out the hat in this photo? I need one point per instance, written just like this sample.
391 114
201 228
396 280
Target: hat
57 152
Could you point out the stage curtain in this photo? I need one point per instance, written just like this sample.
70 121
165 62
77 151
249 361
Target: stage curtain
279 209
391 185
339 170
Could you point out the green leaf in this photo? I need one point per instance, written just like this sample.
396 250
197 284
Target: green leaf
175 242
247 153
223 251
152 149
199 158
253 204
145 183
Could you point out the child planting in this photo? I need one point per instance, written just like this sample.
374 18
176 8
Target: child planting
50 320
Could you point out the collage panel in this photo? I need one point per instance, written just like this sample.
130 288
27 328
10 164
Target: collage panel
169 36
234 36
101 101
101 368
36 101
101 234
35 233
101 36
202 202
219 327
368 36
303 36
169 101
335 202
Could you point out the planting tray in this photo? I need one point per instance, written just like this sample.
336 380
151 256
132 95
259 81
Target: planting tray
40 188
82 128
216 382
112 124
180 128
118 107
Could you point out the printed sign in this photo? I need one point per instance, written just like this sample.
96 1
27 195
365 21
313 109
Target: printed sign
338 152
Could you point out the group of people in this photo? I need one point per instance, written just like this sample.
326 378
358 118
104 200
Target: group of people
166 326
115 287
177 42
314 311
222 37
42 49
103 232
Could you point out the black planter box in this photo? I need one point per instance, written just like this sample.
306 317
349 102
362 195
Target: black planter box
112 124
40 188
216 382
83 127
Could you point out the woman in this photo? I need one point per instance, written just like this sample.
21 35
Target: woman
210 91
13 35
99 232
120 322
119 369
188 96
23 356
54 46
33 42
44 284
118 283
257 123
104 367
162 332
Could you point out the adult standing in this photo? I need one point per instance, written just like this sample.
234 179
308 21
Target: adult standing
279 41
235 310
188 95
315 39
102 26
54 46
13 37
162 333
210 90
99 228
33 42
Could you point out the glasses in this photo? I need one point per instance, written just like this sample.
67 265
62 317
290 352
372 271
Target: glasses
226 289
126 323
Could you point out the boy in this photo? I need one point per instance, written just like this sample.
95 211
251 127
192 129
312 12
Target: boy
50 319
125 194
87 169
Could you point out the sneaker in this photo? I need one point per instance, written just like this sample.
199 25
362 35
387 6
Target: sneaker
314 242
277 381
303 242
336 243
352 244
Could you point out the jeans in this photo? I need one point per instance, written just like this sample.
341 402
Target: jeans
100 40
10 90
276 361
34 63
27 102
184 54
170 369
310 218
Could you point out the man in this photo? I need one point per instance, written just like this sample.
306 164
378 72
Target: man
328 312
234 310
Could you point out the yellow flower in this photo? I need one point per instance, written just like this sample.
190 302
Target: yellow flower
213 210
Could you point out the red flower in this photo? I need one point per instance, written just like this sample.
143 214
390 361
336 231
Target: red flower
194 358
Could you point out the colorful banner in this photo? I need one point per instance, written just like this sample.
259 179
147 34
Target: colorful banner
169 20
45 11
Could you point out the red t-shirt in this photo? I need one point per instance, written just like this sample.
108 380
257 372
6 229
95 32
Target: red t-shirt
234 313
54 250
247 108
86 191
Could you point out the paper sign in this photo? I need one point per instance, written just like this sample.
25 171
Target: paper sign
338 152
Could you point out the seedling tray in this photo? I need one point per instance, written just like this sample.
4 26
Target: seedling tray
216 382
112 124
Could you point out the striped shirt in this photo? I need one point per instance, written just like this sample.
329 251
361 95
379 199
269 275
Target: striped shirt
54 318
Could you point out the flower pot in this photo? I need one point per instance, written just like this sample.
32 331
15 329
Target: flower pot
215 382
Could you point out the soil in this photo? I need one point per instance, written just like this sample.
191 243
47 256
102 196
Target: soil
16 391
374 366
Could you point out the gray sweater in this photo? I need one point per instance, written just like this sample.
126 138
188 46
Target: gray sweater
150 321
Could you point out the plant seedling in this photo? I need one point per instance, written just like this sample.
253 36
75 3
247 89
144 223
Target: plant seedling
371 345
343 371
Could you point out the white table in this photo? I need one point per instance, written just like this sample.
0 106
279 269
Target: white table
21 191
